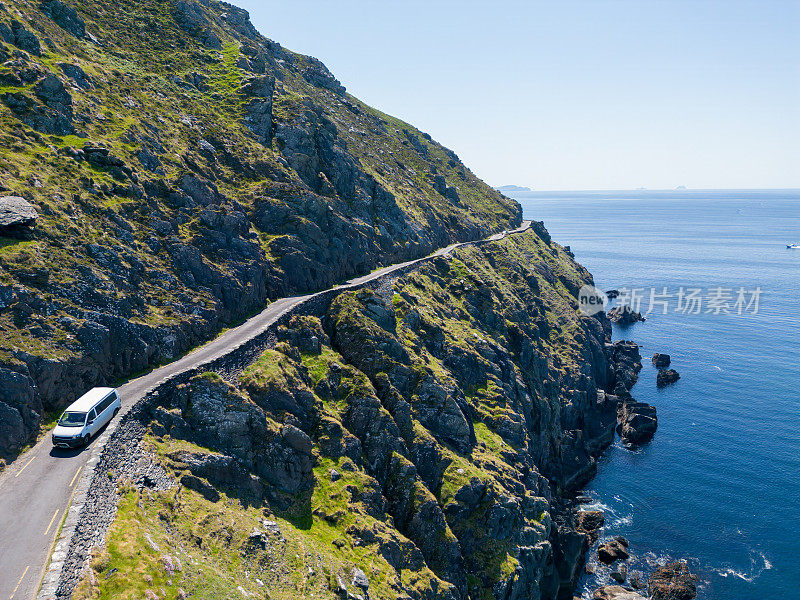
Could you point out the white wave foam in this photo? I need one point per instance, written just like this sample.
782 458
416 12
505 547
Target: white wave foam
626 520
758 563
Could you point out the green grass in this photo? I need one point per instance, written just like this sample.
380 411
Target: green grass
210 541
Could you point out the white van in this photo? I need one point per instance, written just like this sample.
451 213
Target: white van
85 417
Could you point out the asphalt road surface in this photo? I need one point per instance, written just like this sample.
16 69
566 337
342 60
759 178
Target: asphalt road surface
36 489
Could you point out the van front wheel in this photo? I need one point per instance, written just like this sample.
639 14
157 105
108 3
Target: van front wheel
86 439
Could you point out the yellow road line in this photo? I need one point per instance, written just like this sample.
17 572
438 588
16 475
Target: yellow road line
19 582
76 476
25 467
50 524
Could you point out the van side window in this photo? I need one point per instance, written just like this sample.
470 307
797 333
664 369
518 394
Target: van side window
105 403
93 415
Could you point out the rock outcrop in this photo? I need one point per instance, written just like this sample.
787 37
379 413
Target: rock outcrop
624 315
16 212
589 523
64 16
615 592
637 422
666 377
613 550
626 362
661 361
672 581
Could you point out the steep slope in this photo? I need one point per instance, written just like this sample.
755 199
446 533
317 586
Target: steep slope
412 441
186 170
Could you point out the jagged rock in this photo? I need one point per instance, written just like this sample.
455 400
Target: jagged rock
258 117
541 231
257 538
203 192
611 551
661 361
24 39
624 315
638 422
360 579
615 592
200 486
672 581
228 422
612 294
189 15
271 527
64 16
626 363
77 75
666 377
318 74
589 523
20 407
53 116
620 573
16 212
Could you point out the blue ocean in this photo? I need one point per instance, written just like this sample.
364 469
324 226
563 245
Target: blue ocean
719 485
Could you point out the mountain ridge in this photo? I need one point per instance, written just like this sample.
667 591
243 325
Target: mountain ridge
186 170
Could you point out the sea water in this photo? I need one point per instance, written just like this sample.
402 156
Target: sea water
719 485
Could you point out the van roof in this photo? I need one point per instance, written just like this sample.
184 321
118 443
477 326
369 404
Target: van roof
89 399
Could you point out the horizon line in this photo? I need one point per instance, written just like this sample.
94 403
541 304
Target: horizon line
644 189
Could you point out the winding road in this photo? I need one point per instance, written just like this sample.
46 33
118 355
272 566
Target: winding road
36 490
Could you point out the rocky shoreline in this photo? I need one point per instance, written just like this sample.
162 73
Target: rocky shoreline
637 424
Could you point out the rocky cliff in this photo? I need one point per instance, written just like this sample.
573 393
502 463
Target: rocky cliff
184 170
411 441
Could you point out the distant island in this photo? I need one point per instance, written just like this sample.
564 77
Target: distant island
513 188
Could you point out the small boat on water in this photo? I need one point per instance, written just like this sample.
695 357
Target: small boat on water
793 246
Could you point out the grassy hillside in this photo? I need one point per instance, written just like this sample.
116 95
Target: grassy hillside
186 170
420 435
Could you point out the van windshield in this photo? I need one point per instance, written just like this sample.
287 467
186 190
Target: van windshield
72 419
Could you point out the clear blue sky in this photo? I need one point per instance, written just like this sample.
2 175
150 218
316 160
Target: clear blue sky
573 95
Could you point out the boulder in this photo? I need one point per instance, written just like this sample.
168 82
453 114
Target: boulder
360 579
52 92
612 551
667 377
589 523
637 422
624 315
615 592
16 211
620 573
673 581
661 360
